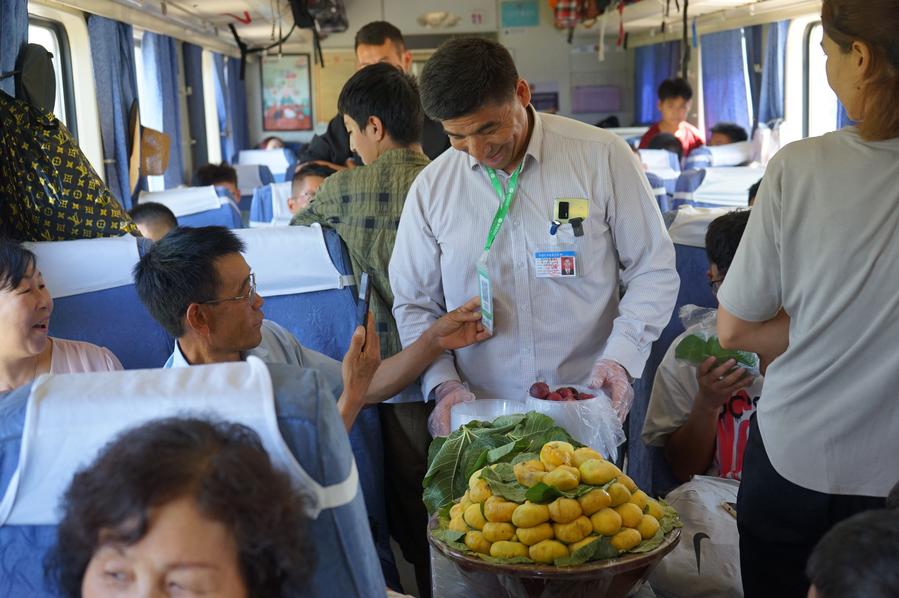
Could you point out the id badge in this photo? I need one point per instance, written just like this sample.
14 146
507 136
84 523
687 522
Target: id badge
561 263
486 291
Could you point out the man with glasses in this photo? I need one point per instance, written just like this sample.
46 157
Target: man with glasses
197 285
700 416
306 181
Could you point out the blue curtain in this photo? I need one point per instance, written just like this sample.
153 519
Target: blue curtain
237 107
724 79
653 65
771 105
196 113
13 37
163 108
755 56
112 54
222 107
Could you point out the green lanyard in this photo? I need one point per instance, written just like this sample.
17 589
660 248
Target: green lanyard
505 202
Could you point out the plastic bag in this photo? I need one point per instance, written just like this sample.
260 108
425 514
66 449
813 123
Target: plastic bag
701 342
592 422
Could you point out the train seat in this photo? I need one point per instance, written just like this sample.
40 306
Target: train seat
647 465
663 164
731 154
269 207
198 206
279 161
50 430
304 274
94 298
659 191
713 187
249 178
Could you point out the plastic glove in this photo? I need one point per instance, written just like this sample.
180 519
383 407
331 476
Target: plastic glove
611 377
449 393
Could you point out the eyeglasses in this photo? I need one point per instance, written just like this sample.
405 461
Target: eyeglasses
250 297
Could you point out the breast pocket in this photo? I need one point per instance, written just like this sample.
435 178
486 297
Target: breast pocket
592 247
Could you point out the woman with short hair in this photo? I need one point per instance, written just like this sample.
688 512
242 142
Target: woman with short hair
26 349
182 507
812 291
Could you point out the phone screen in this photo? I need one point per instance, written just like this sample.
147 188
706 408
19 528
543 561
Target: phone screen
563 210
364 298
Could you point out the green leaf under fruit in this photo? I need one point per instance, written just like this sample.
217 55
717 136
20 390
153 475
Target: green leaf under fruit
594 551
502 482
518 560
650 544
453 539
525 457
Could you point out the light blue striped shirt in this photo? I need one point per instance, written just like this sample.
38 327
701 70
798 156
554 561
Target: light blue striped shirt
553 328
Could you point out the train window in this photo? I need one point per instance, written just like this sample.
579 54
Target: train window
820 100
213 130
150 104
52 36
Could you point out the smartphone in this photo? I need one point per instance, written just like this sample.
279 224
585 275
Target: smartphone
730 507
364 298
563 210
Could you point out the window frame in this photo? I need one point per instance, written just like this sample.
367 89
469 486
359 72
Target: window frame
65 61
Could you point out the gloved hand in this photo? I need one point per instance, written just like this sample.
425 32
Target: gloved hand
449 393
611 377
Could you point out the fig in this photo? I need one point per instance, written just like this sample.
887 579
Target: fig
565 392
584 396
539 390
554 396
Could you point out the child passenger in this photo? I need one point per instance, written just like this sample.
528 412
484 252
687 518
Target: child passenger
675 99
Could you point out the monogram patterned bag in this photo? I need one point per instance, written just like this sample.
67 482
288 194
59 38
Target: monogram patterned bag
48 189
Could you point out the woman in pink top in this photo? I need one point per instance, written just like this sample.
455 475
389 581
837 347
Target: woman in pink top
26 350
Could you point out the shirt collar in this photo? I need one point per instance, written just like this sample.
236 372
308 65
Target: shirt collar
400 155
178 360
535 145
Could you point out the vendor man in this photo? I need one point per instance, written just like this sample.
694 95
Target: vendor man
518 190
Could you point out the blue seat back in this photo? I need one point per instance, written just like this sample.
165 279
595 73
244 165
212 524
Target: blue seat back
659 191
663 164
346 561
249 177
324 321
265 211
225 215
700 157
713 187
111 317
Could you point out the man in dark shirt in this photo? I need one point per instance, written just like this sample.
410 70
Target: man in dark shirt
378 41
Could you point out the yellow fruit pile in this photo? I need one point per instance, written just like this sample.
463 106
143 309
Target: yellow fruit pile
608 504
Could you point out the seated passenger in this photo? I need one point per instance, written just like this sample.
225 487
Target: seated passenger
725 133
700 416
753 191
153 220
667 141
857 558
675 98
219 175
270 143
26 350
173 508
306 181
197 285
697 414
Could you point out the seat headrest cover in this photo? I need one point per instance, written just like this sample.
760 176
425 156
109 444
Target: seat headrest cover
250 176
184 201
280 212
290 260
276 159
660 161
70 417
691 224
727 186
85 265
732 154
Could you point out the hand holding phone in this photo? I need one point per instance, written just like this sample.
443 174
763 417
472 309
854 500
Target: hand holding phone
364 298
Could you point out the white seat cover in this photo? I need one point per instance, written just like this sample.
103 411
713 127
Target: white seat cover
691 224
276 159
86 265
280 212
726 187
289 260
184 201
70 417
248 178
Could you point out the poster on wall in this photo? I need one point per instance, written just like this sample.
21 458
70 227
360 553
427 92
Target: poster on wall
286 93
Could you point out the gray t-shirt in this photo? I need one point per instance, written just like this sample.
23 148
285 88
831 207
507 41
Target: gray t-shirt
823 243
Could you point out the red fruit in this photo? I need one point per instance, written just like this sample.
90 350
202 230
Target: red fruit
574 391
554 396
539 390
584 396
565 392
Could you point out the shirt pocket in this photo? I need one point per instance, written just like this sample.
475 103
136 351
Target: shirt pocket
592 247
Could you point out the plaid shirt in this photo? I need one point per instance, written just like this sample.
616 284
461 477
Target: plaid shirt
364 206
